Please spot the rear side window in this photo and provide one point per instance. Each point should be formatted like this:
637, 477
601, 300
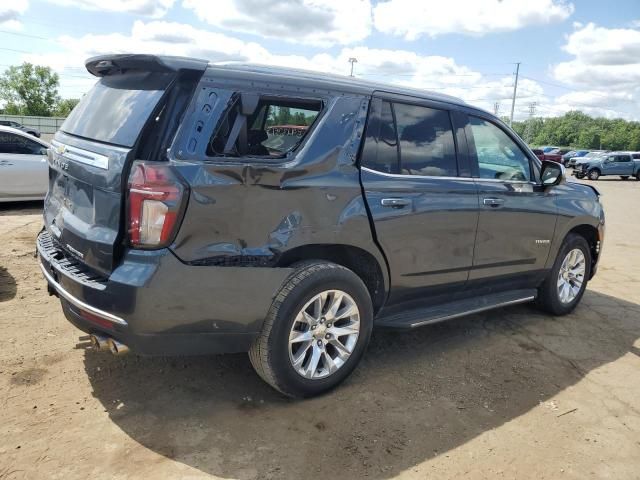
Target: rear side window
276, 127
116, 109
426, 141
17, 144
380, 152
420, 137
499, 157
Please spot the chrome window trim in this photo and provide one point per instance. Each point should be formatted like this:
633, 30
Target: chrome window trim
431, 177
80, 155
436, 177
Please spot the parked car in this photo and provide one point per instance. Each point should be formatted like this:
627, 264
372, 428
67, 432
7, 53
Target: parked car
573, 154
172, 228
554, 155
548, 149
616, 163
538, 153
573, 161
24, 171
18, 126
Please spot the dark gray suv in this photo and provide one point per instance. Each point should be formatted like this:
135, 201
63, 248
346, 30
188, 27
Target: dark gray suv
198, 209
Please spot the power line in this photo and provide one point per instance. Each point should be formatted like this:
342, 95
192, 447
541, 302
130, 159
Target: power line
20, 34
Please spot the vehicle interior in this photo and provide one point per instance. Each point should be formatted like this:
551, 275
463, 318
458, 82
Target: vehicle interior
263, 126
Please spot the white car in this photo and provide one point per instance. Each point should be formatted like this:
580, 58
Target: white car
24, 170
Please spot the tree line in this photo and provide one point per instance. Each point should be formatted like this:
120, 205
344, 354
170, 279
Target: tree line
29, 89
576, 129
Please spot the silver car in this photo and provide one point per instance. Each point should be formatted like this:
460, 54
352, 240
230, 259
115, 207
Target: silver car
23, 166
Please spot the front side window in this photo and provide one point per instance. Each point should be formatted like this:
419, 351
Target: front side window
499, 157
275, 128
17, 144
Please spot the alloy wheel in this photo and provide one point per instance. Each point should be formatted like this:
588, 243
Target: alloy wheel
324, 334
571, 276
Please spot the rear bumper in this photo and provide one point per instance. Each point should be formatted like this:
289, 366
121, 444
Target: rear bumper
157, 305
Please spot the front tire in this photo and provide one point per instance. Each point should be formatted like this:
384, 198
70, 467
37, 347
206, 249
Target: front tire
316, 331
566, 282
594, 174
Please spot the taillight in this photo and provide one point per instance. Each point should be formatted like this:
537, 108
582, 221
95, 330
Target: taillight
156, 199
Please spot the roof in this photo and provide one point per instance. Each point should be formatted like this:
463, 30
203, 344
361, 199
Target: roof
23, 134
109, 64
328, 81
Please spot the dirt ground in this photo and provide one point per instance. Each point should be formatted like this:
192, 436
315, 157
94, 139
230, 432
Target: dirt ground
507, 394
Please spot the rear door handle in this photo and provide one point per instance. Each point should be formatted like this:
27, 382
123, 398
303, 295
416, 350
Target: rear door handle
493, 202
395, 202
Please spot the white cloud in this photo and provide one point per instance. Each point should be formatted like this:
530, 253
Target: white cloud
429, 72
10, 14
314, 22
148, 8
606, 63
415, 18
159, 37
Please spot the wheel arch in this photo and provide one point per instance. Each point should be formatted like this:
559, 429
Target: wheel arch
592, 236
356, 259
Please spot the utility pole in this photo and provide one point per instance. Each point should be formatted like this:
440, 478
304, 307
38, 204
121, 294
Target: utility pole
496, 108
528, 131
515, 88
352, 60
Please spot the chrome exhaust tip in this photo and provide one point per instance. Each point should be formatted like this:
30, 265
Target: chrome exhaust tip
116, 347
99, 343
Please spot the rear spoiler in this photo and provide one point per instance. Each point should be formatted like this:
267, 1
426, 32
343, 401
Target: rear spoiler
104, 65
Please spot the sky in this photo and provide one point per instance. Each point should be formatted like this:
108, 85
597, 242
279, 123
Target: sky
574, 55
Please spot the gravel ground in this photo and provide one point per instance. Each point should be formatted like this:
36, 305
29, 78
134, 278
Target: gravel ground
507, 394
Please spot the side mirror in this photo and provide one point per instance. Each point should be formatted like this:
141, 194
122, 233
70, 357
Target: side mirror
43, 151
552, 173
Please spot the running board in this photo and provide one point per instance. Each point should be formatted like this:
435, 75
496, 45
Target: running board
447, 311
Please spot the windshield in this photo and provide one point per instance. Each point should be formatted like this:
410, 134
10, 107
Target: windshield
117, 107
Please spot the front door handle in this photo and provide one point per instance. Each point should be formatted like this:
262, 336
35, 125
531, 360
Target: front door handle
493, 202
395, 202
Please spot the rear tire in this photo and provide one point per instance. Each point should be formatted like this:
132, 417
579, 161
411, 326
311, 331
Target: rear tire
594, 174
638, 175
284, 360
550, 294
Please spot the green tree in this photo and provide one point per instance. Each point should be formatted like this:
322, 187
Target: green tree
578, 130
64, 106
29, 90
